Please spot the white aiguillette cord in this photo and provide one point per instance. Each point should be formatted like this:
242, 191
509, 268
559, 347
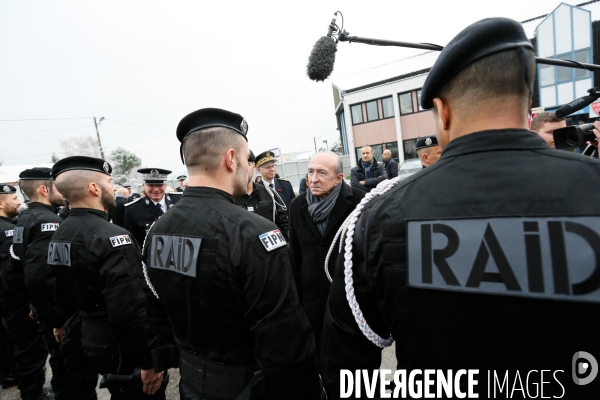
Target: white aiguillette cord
347, 229
272, 192
144, 268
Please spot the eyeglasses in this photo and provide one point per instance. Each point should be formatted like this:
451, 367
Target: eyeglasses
270, 167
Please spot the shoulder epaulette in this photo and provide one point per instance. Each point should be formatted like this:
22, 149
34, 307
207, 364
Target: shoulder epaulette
282, 180
179, 193
133, 201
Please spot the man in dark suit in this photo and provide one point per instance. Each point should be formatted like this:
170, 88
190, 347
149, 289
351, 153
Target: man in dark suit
391, 166
141, 213
117, 214
315, 217
265, 165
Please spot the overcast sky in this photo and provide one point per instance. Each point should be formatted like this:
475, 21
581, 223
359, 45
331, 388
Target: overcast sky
150, 63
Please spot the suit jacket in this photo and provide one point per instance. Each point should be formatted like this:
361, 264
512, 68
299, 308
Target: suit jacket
309, 249
117, 214
141, 213
285, 191
391, 167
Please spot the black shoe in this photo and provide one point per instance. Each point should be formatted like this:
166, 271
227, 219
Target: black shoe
9, 381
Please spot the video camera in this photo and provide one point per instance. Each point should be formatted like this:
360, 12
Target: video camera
576, 135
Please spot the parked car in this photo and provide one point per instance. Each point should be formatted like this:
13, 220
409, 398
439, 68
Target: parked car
410, 167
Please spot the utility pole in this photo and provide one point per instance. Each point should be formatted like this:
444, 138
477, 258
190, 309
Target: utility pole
98, 133
315, 139
326, 145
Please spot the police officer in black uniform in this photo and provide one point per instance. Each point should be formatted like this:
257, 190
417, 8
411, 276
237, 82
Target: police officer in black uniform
428, 149
257, 200
485, 260
281, 188
31, 238
100, 264
223, 276
141, 213
180, 178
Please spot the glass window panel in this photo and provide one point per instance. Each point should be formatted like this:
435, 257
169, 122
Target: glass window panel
565, 93
581, 28
377, 152
548, 96
582, 86
406, 104
357, 117
562, 22
387, 105
564, 73
545, 38
419, 100
372, 111
410, 149
393, 147
547, 75
582, 56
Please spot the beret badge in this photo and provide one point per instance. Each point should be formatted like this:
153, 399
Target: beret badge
6, 189
106, 167
244, 126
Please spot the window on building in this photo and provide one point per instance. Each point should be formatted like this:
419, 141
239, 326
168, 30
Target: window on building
582, 56
393, 147
564, 73
410, 149
406, 104
387, 105
372, 111
547, 75
419, 100
357, 116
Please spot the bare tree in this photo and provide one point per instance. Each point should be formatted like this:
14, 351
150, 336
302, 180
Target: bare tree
336, 147
124, 163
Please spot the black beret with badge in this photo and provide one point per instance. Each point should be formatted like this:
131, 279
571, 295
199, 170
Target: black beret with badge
154, 175
426, 141
479, 40
264, 158
7, 189
37, 173
209, 118
251, 157
77, 163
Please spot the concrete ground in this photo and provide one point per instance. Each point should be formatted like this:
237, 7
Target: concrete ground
388, 362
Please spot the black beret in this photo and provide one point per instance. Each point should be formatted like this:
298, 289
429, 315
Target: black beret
479, 40
81, 163
154, 175
7, 189
209, 118
37, 173
264, 158
251, 157
426, 141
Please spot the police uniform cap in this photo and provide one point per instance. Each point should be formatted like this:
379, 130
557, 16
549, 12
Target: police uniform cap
37, 173
479, 40
426, 141
181, 177
264, 158
209, 118
251, 157
7, 189
154, 175
81, 163
127, 185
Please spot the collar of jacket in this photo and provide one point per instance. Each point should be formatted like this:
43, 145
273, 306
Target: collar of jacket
374, 163
203, 191
83, 211
492, 140
37, 204
6, 219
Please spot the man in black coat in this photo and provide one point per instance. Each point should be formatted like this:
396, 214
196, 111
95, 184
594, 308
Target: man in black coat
281, 188
368, 172
315, 217
117, 214
485, 261
391, 166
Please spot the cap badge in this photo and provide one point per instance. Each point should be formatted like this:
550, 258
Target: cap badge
428, 141
244, 126
154, 174
106, 167
6, 189
268, 154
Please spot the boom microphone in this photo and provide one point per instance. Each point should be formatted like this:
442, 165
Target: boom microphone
322, 56
575, 105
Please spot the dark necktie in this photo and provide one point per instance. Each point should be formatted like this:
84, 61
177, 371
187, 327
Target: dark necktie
160, 210
271, 186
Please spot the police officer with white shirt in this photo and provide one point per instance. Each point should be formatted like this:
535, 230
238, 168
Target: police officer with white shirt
141, 213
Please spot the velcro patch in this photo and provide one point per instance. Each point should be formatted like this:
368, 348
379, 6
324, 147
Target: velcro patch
549, 257
59, 253
9, 232
120, 240
18, 235
272, 240
51, 226
175, 254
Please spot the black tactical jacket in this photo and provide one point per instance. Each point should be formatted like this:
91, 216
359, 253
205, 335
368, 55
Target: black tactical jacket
31, 275
100, 265
10, 301
261, 203
487, 260
223, 276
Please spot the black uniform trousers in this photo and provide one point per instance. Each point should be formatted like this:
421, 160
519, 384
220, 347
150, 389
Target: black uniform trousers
29, 353
7, 345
